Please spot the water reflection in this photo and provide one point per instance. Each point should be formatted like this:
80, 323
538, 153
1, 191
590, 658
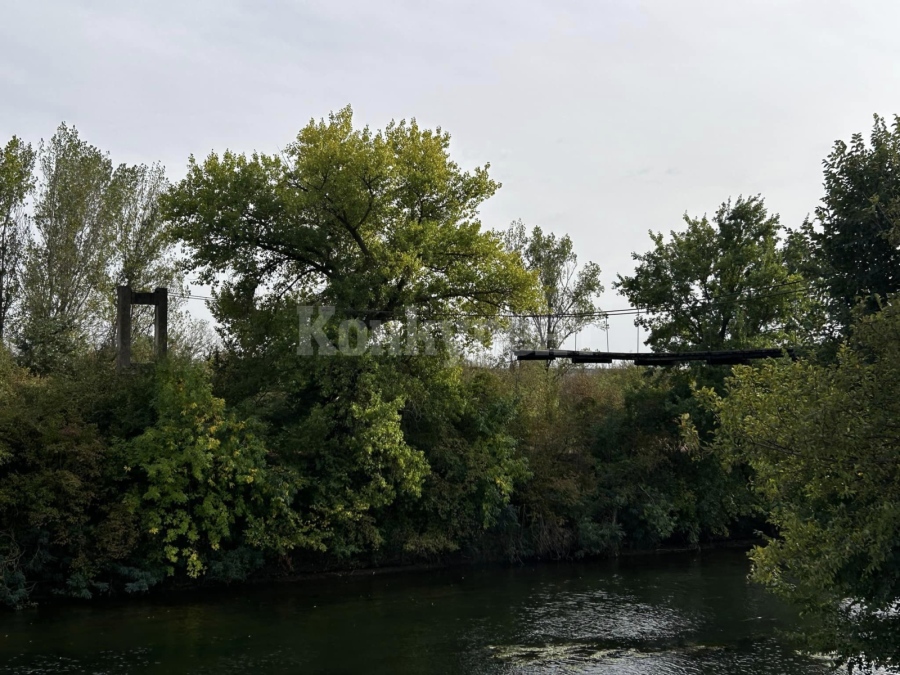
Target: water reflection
683, 614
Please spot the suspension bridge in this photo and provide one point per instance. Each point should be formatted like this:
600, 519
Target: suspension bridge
714, 358
584, 356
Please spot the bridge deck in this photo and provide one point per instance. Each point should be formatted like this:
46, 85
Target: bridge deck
730, 357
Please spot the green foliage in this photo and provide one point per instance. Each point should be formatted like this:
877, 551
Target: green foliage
65, 266
95, 226
567, 293
139, 579
347, 446
263, 460
610, 469
110, 482
855, 243
16, 183
462, 428
52, 497
822, 440
723, 284
651, 483
140, 253
195, 475
369, 221
195, 481
558, 412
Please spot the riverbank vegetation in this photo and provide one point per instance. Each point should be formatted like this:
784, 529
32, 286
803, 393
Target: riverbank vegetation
258, 453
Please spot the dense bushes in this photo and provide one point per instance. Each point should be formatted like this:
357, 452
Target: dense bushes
611, 469
128, 481
116, 482
823, 441
58, 520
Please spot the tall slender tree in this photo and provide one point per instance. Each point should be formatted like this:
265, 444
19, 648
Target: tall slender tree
96, 226
16, 183
568, 292
66, 262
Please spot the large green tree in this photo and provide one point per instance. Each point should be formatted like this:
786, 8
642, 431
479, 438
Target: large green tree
568, 293
823, 442
65, 267
720, 284
16, 183
856, 237
373, 223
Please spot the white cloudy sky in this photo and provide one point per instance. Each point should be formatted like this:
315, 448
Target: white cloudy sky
602, 119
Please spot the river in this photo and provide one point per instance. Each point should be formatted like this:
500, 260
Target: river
677, 613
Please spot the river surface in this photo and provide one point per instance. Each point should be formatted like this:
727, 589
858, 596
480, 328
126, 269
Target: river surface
678, 613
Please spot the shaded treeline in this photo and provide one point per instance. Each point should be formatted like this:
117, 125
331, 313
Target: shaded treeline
258, 455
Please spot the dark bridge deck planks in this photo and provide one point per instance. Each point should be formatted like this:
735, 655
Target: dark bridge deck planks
730, 357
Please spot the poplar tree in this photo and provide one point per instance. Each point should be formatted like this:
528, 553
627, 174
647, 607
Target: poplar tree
65, 267
16, 184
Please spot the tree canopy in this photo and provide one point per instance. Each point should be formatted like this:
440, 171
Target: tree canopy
373, 223
856, 239
260, 457
362, 220
96, 225
722, 284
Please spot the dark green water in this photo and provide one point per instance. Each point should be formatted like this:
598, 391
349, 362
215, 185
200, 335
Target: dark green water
667, 614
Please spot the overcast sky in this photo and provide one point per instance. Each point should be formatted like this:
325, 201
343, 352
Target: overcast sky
601, 119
